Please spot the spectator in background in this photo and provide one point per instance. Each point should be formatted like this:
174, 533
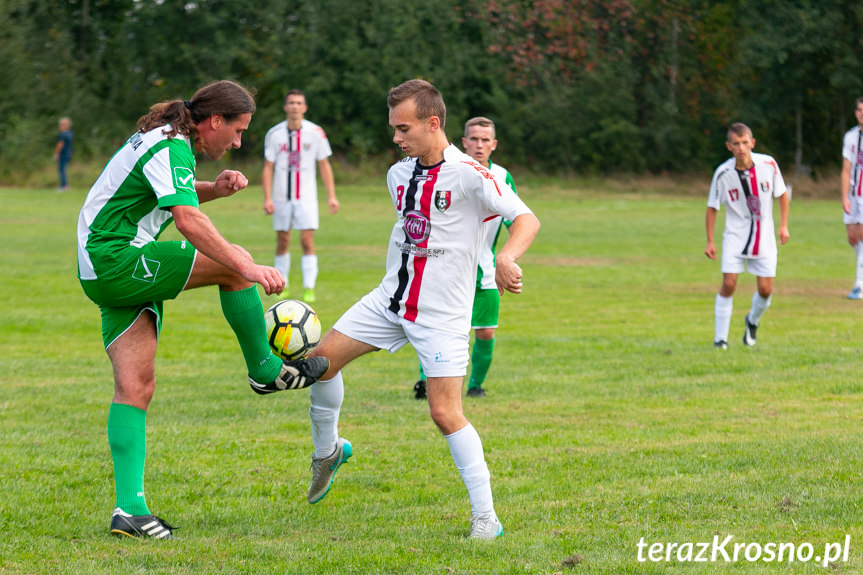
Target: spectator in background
63, 151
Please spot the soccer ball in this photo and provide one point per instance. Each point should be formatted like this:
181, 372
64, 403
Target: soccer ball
293, 329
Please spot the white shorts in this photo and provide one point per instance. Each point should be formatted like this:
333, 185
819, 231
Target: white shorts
763, 267
441, 353
302, 215
856, 215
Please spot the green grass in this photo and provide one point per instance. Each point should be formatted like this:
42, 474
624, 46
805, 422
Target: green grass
610, 417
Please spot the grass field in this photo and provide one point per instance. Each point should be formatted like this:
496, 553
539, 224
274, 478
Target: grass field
610, 417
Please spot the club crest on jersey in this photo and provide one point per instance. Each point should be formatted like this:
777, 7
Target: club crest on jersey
442, 200
765, 187
754, 204
184, 178
417, 227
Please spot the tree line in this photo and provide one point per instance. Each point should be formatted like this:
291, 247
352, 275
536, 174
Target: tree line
584, 86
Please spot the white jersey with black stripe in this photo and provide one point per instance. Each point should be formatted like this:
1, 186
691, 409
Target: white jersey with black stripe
748, 194
295, 155
851, 152
435, 243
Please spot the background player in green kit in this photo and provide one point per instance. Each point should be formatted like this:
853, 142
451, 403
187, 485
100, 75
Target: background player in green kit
149, 182
479, 142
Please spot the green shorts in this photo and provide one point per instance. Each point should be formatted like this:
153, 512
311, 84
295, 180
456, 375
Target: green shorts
486, 305
145, 278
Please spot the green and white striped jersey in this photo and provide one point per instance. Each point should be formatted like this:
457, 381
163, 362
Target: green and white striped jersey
127, 206
490, 232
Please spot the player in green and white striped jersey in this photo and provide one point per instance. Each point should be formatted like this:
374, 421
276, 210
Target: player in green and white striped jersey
479, 142
149, 182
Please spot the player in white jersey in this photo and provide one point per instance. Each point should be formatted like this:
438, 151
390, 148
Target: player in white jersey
441, 198
746, 184
852, 194
479, 142
149, 182
293, 150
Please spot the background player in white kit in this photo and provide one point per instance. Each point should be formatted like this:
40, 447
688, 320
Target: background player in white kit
479, 142
852, 194
746, 184
441, 197
292, 150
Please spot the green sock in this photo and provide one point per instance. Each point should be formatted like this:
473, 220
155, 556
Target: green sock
480, 361
422, 373
245, 315
128, 441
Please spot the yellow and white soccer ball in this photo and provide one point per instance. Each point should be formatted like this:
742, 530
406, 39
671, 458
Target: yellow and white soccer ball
293, 329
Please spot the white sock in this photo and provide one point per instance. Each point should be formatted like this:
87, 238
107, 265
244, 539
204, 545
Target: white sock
326, 402
722, 313
858, 249
759, 306
465, 447
282, 263
310, 271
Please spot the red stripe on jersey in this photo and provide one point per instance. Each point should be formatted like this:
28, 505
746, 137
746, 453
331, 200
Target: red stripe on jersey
414, 292
859, 183
753, 187
419, 263
485, 174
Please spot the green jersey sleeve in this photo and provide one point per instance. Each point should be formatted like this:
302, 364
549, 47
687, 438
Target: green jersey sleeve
511, 183
170, 170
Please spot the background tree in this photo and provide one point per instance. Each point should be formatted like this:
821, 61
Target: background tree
593, 86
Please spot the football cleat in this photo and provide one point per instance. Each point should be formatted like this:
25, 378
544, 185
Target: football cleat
324, 469
475, 392
309, 295
294, 375
856, 293
485, 527
420, 389
140, 525
721, 344
749, 333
